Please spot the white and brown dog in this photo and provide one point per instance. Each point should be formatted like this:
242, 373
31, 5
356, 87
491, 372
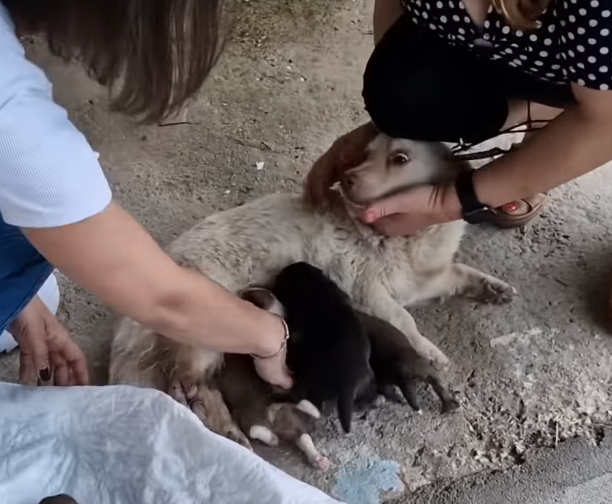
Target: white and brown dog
250, 244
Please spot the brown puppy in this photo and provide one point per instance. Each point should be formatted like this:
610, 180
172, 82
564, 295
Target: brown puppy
395, 362
250, 400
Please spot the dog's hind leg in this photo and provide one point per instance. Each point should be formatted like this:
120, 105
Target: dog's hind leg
463, 280
209, 406
307, 446
449, 403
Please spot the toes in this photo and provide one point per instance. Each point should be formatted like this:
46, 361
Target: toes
497, 293
322, 463
450, 406
238, 437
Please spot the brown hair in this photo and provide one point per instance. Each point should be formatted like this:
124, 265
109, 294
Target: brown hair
522, 14
155, 54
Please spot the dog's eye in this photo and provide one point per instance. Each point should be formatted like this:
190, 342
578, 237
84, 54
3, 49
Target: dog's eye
399, 159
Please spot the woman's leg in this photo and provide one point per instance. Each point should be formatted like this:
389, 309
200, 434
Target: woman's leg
49, 294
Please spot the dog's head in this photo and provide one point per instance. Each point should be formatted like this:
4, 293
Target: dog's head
394, 164
264, 299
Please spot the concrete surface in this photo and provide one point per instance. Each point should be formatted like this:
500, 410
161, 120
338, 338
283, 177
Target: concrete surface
528, 375
577, 472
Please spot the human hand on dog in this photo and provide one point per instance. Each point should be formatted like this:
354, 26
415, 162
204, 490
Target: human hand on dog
272, 366
46, 348
409, 212
346, 152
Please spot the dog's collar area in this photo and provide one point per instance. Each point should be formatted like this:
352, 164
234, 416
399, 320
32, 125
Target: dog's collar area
283, 344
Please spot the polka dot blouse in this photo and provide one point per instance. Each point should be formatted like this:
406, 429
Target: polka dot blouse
572, 42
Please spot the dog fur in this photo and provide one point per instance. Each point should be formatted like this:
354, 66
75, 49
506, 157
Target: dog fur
249, 245
396, 363
328, 351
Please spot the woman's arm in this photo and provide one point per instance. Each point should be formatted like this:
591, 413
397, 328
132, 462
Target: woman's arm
386, 13
112, 256
575, 143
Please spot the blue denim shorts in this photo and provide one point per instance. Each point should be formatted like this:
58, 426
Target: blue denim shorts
23, 270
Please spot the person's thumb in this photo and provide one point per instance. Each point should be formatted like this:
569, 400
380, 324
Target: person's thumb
386, 206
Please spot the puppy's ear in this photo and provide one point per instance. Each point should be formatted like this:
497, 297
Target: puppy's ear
346, 401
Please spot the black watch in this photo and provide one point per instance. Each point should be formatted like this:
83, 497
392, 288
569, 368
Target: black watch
474, 212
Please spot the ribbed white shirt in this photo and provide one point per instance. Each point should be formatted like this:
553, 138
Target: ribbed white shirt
49, 174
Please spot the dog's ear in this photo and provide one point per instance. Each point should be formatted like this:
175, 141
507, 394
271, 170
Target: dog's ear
346, 401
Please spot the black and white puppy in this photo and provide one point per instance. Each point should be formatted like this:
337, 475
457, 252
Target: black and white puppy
252, 404
328, 351
395, 362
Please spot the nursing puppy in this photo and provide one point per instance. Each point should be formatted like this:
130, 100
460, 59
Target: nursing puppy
249, 245
250, 400
395, 362
328, 351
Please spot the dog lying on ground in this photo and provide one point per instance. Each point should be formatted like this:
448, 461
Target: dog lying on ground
328, 351
396, 363
249, 245
251, 403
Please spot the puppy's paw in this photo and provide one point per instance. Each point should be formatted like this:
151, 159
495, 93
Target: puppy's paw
321, 462
450, 406
233, 433
494, 291
264, 435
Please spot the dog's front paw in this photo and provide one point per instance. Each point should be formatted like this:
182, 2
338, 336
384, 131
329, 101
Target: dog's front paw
433, 355
494, 291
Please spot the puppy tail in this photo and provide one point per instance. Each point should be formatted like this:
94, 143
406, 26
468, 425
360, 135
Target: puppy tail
346, 401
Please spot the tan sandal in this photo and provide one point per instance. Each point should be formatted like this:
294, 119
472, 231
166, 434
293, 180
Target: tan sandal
519, 213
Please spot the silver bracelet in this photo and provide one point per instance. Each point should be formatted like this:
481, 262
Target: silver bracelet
283, 344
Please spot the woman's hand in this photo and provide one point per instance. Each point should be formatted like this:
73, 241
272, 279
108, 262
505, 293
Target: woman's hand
346, 152
274, 369
46, 348
409, 212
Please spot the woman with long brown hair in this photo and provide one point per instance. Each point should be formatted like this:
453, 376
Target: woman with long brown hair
56, 208
462, 71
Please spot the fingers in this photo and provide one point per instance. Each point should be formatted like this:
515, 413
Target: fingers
34, 358
27, 371
66, 352
274, 371
385, 207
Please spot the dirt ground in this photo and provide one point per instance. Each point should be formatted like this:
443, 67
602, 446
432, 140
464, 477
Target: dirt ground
530, 374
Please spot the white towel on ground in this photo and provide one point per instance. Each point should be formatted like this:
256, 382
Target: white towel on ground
126, 445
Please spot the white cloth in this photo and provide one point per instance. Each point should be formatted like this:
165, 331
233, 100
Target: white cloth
126, 445
49, 174
50, 295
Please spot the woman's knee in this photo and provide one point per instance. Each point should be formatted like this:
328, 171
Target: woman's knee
417, 87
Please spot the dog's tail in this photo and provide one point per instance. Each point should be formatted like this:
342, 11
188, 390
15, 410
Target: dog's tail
346, 400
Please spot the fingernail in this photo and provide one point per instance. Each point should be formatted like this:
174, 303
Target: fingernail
370, 215
45, 374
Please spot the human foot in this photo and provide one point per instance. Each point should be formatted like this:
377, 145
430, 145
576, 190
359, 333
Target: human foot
519, 213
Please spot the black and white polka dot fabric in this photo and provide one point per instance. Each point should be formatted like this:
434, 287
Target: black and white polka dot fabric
572, 42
